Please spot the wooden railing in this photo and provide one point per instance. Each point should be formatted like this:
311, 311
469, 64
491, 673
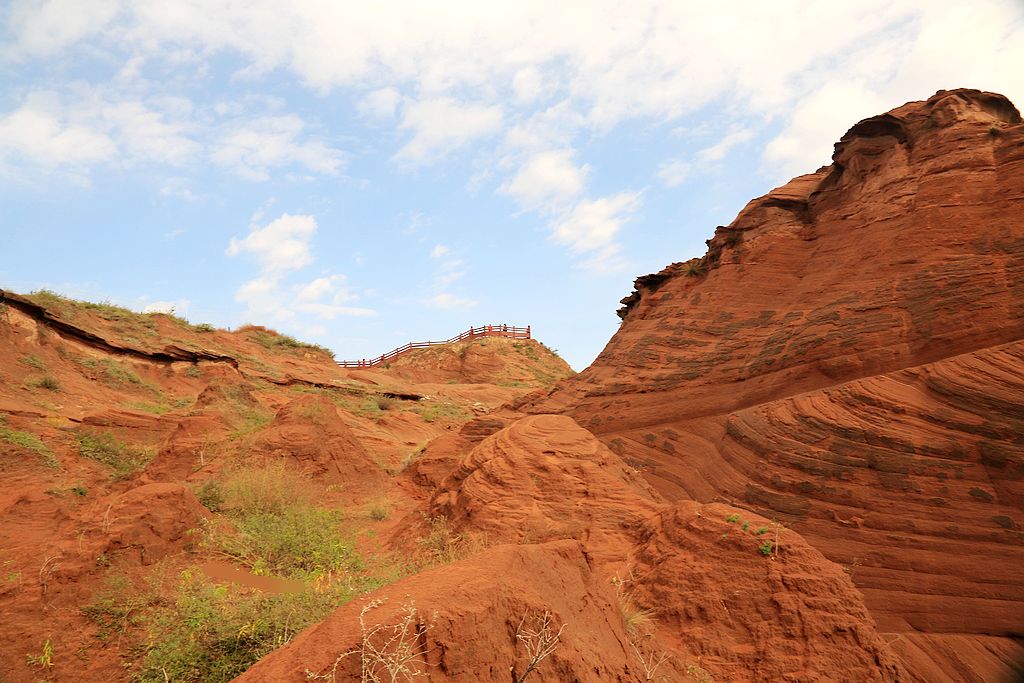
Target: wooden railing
472, 333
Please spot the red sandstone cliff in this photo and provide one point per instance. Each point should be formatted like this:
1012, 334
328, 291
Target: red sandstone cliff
848, 358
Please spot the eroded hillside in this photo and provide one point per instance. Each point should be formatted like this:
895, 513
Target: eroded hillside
799, 459
147, 461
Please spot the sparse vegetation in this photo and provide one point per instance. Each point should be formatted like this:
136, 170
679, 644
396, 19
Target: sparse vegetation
273, 527
120, 457
206, 633
273, 340
154, 408
268, 521
442, 545
112, 373
211, 494
694, 268
380, 511
766, 547
733, 518
43, 660
29, 442
432, 411
33, 361
115, 607
48, 382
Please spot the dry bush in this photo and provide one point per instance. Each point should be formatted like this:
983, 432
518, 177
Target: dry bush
268, 487
539, 638
388, 652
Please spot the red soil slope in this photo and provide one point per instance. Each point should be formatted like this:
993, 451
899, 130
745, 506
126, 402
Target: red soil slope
848, 358
179, 403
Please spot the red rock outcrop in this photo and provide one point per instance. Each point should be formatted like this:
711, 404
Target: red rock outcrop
308, 432
634, 580
849, 358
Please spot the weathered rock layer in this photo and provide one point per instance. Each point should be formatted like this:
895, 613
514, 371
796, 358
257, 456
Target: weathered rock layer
848, 358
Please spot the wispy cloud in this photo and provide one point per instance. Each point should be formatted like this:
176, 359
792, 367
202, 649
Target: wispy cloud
674, 172
592, 224
252, 147
450, 302
442, 125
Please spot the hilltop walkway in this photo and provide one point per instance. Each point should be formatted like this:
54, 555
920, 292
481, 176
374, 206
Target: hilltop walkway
508, 331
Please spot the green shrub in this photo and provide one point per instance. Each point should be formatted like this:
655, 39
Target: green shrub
214, 633
766, 547
114, 608
273, 527
211, 494
301, 541
105, 449
33, 361
48, 382
733, 518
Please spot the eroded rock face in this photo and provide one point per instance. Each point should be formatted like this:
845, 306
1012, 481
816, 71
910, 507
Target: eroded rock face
308, 432
783, 614
848, 358
545, 477
634, 580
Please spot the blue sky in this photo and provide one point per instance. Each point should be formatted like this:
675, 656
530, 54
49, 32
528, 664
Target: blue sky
365, 174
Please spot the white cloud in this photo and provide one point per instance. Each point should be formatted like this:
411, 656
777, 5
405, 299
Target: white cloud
593, 223
548, 179
529, 84
37, 132
44, 28
442, 125
282, 246
251, 148
674, 172
948, 45
381, 103
450, 302
806, 142
439, 251
279, 246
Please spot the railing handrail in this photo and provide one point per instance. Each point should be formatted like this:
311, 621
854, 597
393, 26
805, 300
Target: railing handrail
507, 331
